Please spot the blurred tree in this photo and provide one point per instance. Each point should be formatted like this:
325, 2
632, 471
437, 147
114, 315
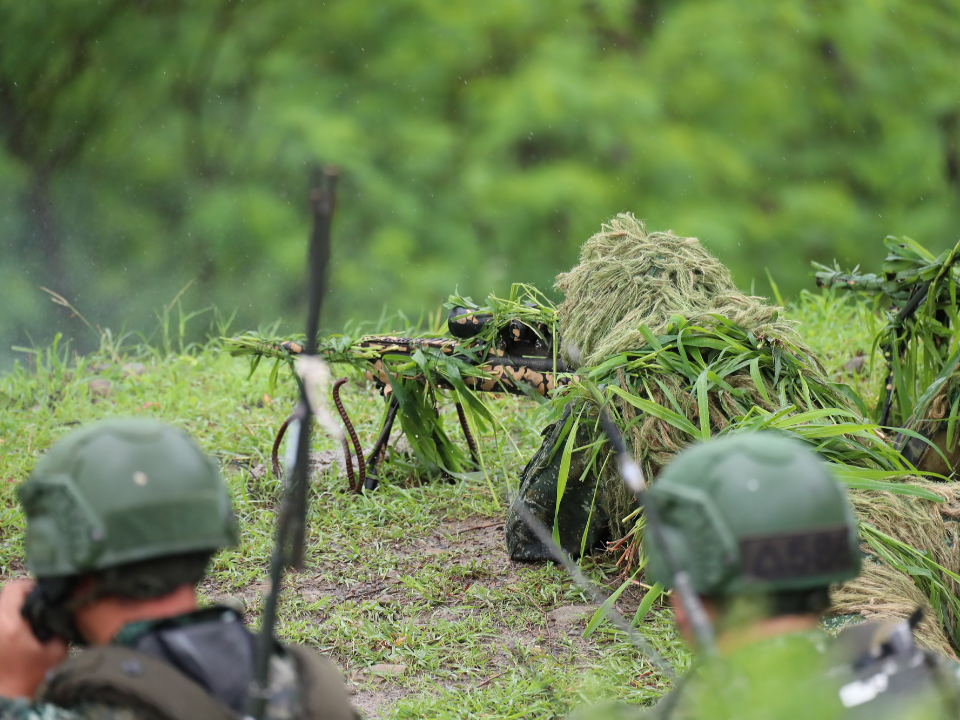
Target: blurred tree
148, 144
55, 91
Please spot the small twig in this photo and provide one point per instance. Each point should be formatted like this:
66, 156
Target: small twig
492, 678
275, 452
364, 593
479, 527
179, 295
60, 300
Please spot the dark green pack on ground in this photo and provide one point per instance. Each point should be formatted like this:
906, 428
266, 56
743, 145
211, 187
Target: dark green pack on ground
583, 524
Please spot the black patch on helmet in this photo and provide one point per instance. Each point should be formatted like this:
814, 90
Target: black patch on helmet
790, 556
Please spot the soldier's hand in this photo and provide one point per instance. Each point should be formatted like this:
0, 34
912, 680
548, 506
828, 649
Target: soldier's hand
24, 660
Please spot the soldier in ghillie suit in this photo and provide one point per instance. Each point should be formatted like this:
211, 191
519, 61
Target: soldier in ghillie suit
762, 530
122, 520
659, 332
630, 288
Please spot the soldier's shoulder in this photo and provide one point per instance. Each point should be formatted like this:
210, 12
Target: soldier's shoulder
314, 680
27, 710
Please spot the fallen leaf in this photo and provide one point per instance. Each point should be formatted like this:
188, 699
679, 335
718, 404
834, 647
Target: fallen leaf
387, 669
100, 387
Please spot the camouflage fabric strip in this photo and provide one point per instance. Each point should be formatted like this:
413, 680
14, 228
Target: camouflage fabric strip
18, 709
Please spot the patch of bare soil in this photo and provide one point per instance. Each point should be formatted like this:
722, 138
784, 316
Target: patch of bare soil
473, 550
462, 543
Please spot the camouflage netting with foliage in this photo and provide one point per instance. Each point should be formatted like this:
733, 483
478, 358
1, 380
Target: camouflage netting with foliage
663, 334
919, 292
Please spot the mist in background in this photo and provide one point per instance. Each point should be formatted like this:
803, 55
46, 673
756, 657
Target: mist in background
150, 144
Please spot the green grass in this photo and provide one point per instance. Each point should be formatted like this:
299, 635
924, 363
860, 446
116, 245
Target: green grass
837, 327
402, 576
392, 578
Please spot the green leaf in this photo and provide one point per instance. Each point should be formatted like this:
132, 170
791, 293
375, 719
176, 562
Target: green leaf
703, 405
776, 290
809, 416
274, 372
653, 594
891, 487
564, 474
254, 364
816, 432
658, 411
601, 612
758, 379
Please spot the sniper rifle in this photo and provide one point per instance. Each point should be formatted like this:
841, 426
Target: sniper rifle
521, 360
920, 285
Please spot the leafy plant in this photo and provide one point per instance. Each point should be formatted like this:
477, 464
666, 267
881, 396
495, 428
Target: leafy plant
920, 292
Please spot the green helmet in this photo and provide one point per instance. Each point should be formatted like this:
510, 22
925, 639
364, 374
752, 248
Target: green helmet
119, 492
752, 513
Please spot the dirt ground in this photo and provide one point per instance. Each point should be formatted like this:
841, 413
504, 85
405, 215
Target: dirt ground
458, 543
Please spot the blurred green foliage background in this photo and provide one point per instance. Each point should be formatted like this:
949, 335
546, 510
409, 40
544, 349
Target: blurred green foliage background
145, 144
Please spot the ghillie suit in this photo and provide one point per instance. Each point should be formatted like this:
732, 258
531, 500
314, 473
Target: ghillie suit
934, 419
661, 333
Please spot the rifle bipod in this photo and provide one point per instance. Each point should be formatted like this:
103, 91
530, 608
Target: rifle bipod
368, 470
355, 483
275, 454
378, 451
379, 447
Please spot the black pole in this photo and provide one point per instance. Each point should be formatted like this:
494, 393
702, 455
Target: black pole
291, 525
633, 477
322, 205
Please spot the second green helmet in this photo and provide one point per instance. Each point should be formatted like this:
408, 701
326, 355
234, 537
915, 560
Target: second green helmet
122, 491
753, 512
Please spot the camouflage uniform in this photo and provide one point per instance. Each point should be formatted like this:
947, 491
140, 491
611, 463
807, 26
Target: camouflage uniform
783, 677
284, 691
795, 676
580, 520
136, 507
